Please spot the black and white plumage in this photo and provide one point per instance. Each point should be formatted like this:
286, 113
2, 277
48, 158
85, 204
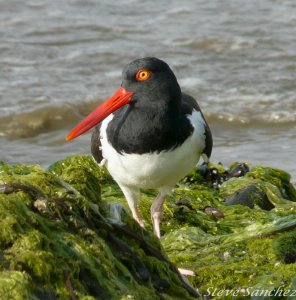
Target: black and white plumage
150, 134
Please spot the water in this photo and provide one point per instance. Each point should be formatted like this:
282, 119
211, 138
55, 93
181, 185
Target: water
59, 59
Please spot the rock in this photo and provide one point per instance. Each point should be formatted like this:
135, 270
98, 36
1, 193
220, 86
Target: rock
57, 243
67, 233
250, 196
184, 202
198, 241
213, 211
284, 247
238, 170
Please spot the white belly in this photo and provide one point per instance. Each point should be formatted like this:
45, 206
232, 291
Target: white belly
155, 170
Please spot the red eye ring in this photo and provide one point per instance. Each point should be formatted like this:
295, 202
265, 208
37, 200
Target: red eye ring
143, 75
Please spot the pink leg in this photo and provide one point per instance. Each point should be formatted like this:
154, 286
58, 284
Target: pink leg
156, 213
156, 216
132, 196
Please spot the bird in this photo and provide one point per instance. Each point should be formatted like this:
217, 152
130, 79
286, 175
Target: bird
148, 134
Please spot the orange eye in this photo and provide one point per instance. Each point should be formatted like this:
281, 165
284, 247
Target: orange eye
143, 75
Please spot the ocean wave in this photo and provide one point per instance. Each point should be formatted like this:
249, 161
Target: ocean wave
263, 119
45, 119
52, 118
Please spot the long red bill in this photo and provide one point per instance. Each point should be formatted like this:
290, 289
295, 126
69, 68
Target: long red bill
118, 99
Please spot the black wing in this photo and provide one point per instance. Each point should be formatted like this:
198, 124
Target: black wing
96, 144
188, 104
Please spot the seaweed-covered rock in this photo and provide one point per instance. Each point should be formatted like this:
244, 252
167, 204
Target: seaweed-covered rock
284, 246
250, 196
67, 233
238, 251
57, 243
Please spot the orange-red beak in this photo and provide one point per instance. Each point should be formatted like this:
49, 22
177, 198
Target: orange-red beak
118, 99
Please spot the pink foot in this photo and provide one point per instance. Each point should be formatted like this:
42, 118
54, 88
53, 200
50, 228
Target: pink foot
186, 272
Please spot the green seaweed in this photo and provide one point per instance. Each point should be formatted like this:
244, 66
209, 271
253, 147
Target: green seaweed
237, 251
284, 247
60, 237
56, 240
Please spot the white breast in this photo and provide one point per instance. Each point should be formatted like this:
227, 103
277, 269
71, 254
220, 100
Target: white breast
155, 170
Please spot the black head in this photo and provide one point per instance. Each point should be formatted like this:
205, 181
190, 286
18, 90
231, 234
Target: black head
148, 83
151, 80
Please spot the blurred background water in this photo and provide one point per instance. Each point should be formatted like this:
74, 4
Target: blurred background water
59, 59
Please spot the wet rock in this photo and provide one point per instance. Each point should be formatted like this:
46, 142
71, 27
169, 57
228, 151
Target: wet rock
213, 211
56, 234
184, 202
69, 230
250, 196
199, 242
284, 246
239, 170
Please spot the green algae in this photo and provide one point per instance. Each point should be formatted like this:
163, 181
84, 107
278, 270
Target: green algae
56, 241
285, 247
61, 240
242, 249
15, 285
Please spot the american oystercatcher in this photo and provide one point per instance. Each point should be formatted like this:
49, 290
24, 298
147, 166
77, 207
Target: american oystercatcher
149, 134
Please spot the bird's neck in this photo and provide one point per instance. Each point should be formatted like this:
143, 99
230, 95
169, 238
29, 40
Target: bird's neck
140, 129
